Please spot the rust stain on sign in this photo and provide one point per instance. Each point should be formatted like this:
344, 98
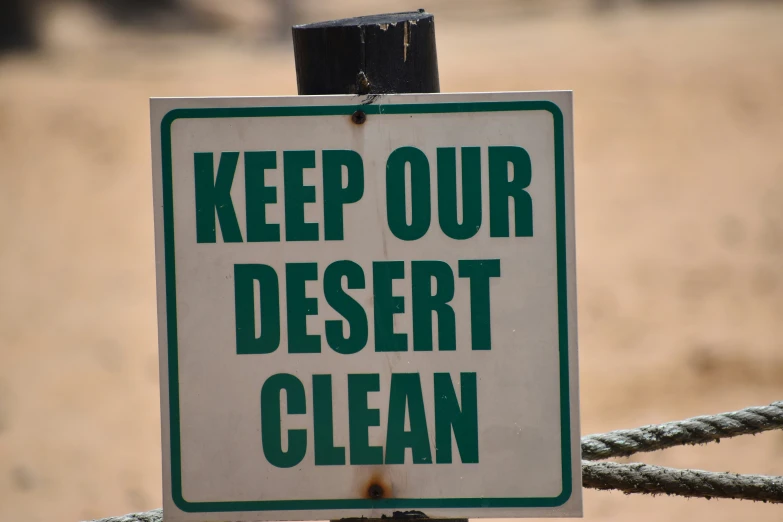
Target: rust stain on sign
375, 487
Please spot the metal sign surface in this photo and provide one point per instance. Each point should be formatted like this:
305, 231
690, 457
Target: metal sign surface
367, 312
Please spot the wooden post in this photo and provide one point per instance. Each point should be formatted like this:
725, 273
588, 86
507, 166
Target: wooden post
378, 54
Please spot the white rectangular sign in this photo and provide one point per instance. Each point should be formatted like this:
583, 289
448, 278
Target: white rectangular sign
367, 305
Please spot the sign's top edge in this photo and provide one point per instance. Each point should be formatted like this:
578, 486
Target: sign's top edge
362, 97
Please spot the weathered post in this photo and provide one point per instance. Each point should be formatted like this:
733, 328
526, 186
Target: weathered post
378, 54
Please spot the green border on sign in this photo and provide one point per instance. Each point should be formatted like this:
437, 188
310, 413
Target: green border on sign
171, 308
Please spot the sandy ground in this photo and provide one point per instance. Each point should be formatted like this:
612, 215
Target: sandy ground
679, 176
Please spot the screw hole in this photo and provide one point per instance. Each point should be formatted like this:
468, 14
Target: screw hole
375, 491
358, 117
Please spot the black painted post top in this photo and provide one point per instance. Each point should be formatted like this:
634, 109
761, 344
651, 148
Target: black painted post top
378, 54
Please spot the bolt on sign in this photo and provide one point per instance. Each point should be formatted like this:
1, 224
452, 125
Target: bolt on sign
367, 305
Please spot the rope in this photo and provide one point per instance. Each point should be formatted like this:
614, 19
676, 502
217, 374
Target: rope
656, 480
156, 515
644, 478
698, 430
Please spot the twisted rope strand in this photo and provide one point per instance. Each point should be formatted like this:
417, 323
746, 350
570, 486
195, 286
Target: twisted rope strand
697, 430
656, 480
156, 515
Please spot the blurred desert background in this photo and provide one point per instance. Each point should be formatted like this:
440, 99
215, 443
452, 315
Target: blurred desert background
679, 213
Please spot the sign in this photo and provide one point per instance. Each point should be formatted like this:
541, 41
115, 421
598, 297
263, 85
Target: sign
367, 305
